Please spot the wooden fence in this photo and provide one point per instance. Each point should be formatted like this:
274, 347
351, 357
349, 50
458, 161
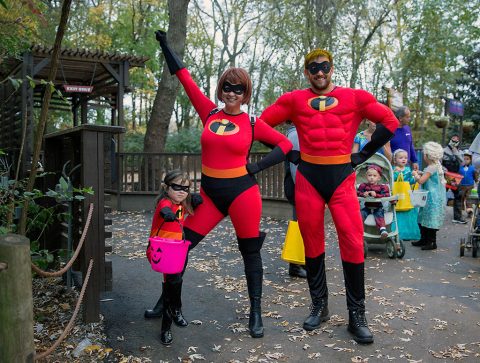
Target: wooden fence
142, 173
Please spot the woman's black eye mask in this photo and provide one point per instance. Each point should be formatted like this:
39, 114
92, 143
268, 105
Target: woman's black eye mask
238, 89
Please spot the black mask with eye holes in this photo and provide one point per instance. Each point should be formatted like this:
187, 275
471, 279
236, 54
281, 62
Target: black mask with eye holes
238, 89
315, 67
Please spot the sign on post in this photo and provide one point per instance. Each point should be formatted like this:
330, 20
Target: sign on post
454, 107
77, 88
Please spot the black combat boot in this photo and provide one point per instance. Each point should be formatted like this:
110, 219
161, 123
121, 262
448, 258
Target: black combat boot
157, 310
317, 283
355, 291
250, 249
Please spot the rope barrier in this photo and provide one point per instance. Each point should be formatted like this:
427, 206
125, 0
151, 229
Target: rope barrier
72, 319
75, 255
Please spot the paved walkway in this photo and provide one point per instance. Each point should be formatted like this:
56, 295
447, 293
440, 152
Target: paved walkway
422, 308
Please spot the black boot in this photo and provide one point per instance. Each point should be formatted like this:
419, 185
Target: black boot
166, 337
423, 239
157, 310
358, 326
174, 283
297, 270
431, 239
355, 292
317, 283
250, 249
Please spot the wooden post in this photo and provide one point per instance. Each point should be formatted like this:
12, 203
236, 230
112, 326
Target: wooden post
16, 305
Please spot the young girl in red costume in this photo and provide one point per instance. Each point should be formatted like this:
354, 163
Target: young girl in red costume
228, 186
173, 203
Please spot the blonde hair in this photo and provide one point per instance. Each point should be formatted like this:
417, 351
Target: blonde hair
434, 152
396, 153
314, 54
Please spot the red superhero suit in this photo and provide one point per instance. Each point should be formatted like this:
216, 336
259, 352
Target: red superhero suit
228, 186
326, 127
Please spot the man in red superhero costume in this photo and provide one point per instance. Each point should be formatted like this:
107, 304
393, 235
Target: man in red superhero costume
327, 118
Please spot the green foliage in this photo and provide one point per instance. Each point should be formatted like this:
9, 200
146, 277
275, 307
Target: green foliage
133, 141
184, 141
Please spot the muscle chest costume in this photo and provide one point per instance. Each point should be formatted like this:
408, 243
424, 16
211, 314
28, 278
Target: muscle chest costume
326, 127
226, 186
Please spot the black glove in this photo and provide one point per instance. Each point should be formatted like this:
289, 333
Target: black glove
380, 137
272, 158
293, 156
174, 63
167, 214
196, 200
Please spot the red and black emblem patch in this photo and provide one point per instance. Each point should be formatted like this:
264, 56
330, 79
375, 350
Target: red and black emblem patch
323, 103
223, 127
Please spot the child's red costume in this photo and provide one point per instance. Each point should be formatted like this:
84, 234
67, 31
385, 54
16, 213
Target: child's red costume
165, 229
326, 127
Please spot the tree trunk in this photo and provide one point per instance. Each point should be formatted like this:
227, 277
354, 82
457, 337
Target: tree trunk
45, 105
157, 127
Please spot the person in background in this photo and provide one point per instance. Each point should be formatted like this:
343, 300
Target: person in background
408, 229
403, 136
470, 177
289, 188
374, 189
452, 159
173, 204
432, 215
363, 137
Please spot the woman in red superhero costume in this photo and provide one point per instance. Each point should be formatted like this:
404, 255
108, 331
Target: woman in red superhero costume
327, 118
228, 186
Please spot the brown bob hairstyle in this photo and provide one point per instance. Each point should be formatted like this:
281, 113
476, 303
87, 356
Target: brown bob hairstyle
236, 76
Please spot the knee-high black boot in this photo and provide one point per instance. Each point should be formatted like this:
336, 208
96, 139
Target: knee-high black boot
250, 250
166, 337
157, 310
174, 286
423, 239
355, 291
317, 284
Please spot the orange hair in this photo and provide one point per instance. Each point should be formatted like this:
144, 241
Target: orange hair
314, 54
236, 76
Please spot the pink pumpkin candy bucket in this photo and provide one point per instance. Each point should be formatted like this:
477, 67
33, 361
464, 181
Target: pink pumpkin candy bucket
167, 255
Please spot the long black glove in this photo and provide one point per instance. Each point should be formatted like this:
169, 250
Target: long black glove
293, 157
167, 214
174, 63
196, 200
272, 158
380, 137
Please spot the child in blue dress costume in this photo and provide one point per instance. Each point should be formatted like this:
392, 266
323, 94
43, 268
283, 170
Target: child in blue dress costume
432, 215
408, 228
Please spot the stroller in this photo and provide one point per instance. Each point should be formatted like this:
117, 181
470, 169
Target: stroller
394, 245
473, 237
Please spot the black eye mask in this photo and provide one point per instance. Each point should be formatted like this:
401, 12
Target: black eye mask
315, 67
238, 89
178, 187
